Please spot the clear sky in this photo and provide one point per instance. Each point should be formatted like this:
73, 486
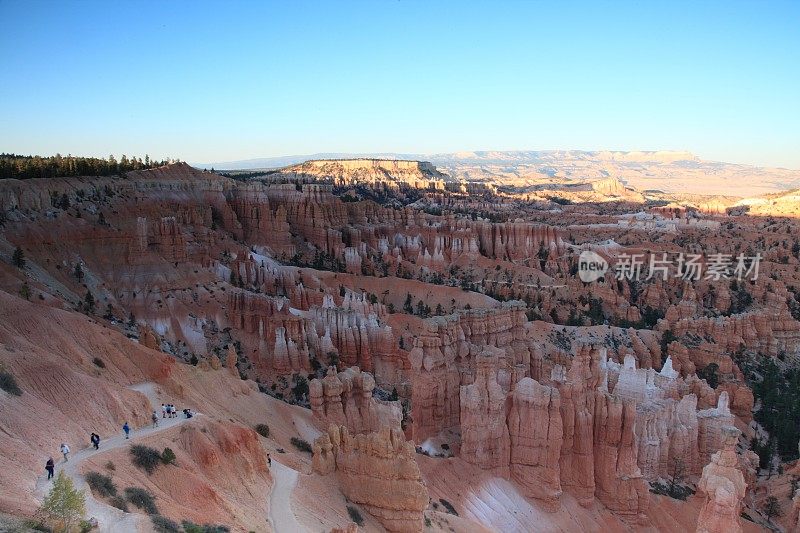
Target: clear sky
209, 82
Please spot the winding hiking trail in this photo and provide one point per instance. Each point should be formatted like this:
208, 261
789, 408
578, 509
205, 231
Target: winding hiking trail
281, 516
110, 518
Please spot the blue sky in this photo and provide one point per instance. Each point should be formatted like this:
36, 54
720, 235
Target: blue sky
212, 82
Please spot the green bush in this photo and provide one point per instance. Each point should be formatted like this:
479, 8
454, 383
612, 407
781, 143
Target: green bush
191, 527
145, 457
448, 506
101, 484
164, 525
168, 456
263, 430
9, 384
355, 515
119, 502
141, 499
301, 445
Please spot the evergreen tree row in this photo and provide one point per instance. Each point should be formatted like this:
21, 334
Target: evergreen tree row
25, 166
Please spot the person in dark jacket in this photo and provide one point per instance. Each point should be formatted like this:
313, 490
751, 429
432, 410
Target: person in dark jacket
50, 466
95, 438
127, 429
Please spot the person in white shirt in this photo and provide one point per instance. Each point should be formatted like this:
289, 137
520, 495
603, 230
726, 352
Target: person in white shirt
65, 451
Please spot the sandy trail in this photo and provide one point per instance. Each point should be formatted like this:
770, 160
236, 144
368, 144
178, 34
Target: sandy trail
110, 518
282, 517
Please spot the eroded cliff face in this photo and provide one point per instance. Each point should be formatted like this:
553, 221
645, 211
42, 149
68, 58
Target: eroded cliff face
378, 472
417, 174
345, 399
536, 434
723, 488
485, 439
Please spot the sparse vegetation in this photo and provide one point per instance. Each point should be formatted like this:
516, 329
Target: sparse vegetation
119, 502
18, 258
448, 506
771, 508
98, 362
145, 457
263, 430
191, 527
355, 515
301, 445
101, 484
141, 499
89, 302
710, 374
163, 524
168, 456
9, 383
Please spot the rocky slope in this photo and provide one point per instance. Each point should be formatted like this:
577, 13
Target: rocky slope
417, 344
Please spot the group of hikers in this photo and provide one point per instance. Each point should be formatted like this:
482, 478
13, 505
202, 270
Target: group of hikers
167, 411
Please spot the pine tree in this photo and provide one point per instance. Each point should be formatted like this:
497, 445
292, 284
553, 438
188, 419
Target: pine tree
89, 301
18, 258
772, 508
407, 307
63, 506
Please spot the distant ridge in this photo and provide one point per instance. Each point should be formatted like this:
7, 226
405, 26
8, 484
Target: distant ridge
484, 156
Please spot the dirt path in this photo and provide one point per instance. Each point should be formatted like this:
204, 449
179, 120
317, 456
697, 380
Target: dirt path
109, 518
281, 516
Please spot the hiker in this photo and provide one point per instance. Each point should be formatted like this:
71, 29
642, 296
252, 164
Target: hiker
155, 419
65, 451
269, 461
188, 413
50, 466
172, 412
163, 410
127, 429
95, 438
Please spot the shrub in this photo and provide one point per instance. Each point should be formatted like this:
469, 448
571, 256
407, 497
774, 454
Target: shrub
355, 515
101, 484
119, 502
191, 527
9, 383
168, 456
38, 526
141, 499
98, 362
110, 466
145, 457
263, 430
448, 506
85, 526
301, 445
162, 524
